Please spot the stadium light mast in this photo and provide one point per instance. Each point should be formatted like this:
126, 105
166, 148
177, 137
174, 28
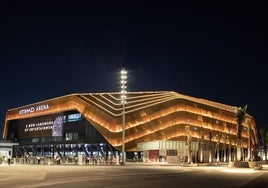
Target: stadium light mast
123, 81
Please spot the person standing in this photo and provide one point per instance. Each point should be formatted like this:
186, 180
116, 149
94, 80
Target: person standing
38, 160
8, 160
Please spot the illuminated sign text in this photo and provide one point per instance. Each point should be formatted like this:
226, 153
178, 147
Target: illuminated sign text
34, 109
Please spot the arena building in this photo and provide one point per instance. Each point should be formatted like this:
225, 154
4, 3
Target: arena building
160, 126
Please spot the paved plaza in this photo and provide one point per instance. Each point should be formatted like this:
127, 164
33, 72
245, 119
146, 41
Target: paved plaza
129, 176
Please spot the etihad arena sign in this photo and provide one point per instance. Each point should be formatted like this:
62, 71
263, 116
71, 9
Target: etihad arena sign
34, 109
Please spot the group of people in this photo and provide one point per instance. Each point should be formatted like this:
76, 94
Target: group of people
99, 160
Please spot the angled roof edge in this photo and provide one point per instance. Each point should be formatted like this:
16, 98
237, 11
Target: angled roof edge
187, 97
75, 94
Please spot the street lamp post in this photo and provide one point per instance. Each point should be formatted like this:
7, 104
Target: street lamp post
123, 81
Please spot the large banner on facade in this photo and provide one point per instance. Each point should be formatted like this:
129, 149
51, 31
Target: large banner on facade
44, 126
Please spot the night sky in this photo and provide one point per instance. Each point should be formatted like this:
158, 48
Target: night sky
216, 52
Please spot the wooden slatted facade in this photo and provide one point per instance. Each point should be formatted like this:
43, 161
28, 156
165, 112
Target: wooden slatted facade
150, 116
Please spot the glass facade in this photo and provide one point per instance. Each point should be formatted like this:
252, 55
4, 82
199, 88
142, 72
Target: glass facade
64, 134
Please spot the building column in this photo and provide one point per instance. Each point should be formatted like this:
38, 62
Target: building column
224, 149
202, 146
218, 147
229, 152
189, 142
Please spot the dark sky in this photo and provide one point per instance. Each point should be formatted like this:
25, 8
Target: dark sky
212, 51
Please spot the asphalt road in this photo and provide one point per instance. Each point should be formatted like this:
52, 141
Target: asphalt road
129, 176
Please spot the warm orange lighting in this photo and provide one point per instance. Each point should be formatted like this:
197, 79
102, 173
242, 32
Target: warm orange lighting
147, 114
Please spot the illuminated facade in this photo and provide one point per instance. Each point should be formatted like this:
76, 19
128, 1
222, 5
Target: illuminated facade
162, 125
